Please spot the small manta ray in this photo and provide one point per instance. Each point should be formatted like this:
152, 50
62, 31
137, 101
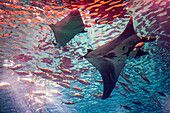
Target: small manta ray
68, 27
109, 59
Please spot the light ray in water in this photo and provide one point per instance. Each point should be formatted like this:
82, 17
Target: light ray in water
25, 96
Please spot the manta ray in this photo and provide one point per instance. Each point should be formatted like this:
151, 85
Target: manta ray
68, 27
110, 58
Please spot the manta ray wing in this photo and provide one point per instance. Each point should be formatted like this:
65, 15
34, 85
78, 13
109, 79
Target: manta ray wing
68, 27
106, 68
109, 59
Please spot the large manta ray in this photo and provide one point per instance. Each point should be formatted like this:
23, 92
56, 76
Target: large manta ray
109, 59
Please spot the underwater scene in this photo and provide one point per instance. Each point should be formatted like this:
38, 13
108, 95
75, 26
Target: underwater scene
84, 56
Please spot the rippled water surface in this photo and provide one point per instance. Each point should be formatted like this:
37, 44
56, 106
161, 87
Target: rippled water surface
27, 40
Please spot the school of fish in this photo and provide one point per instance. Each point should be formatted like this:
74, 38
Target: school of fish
43, 74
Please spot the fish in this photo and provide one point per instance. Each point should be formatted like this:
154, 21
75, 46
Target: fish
154, 98
40, 93
69, 77
145, 90
68, 102
16, 66
45, 69
126, 107
161, 93
4, 84
100, 81
26, 80
109, 59
144, 78
53, 92
77, 89
122, 94
97, 96
39, 73
66, 71
23, 72
64, 85
107, 10
57, 76
122, 83
39, 101
68, 27
131, 90
67, 82
57, 80
126, 89
126, 78
47, 77
76, 95
137, 102
116, 86
41, 109
83, 82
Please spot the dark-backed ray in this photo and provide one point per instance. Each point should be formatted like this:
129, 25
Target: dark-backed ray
109, 59
68, 27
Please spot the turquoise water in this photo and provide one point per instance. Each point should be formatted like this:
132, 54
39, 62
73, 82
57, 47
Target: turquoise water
30, 44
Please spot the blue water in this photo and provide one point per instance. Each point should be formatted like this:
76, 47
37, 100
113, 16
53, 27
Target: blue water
30, 44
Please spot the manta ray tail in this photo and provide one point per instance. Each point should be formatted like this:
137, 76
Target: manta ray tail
68, 27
